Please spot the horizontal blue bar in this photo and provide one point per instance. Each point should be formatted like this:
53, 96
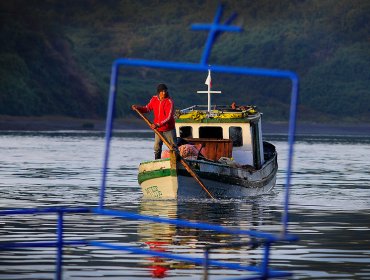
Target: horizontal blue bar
203, 67
44, 210
184, 223
129, 215
37, 244
200, 261
256, 277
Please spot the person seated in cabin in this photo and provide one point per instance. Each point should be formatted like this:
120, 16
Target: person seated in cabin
186, 151
164, 122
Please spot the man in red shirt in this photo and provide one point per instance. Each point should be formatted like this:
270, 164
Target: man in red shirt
164, 121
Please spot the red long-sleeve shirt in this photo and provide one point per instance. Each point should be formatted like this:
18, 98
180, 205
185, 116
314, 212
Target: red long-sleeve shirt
163, 112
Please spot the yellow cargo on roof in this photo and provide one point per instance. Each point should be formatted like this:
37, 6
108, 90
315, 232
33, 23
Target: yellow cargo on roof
198, 115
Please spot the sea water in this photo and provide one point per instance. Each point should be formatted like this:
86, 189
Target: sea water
329, 210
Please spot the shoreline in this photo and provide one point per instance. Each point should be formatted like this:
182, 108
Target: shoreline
55, 123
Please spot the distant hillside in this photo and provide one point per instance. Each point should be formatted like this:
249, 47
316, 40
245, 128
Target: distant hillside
56, 56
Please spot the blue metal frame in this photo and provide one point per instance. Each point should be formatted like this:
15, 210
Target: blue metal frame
263, 272
203, 68
265, 238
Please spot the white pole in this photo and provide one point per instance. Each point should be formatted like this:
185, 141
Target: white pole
209, 82
209, 98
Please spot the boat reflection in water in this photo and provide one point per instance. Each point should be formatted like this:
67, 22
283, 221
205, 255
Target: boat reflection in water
158, 236
185, 241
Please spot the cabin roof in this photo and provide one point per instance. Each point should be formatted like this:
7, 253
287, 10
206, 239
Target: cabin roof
218, 114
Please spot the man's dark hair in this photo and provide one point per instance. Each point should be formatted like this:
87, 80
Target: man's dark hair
161, 87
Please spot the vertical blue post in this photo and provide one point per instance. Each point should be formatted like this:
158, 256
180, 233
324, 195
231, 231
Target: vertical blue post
214, 30
291, 138
211, 36
265, 262
59, 257
206, 264
108, 131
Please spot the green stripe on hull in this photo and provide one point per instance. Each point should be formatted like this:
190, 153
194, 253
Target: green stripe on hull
142, 177
156, 160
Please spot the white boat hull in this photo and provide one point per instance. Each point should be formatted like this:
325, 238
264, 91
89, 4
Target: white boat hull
168, 179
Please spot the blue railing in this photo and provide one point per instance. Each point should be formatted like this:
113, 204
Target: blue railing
266, 239
261, 238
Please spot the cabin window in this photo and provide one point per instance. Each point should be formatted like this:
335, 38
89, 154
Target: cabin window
186, 132
236, 136
210, 132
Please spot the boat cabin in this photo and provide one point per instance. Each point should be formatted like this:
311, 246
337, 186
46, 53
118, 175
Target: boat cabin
223, 132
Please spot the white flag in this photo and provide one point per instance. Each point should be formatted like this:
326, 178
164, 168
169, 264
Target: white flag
208, 81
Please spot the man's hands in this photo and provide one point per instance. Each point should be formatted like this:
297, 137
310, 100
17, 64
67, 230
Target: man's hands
154, 126
137, 107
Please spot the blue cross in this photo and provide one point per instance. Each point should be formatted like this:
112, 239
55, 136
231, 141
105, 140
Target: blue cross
214, 31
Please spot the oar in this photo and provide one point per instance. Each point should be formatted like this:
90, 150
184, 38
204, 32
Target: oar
183, 162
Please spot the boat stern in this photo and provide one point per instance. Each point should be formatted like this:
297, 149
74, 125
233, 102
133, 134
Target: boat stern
158, 179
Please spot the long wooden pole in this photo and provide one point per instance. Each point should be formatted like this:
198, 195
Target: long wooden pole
183, 162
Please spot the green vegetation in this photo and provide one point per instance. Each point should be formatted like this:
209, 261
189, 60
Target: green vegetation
56, 56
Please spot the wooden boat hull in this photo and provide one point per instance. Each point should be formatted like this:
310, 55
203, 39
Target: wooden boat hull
168, 179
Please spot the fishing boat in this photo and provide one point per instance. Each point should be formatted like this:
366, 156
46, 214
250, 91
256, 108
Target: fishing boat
220, 154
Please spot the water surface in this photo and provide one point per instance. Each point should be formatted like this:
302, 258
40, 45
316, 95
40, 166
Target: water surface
330, 209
